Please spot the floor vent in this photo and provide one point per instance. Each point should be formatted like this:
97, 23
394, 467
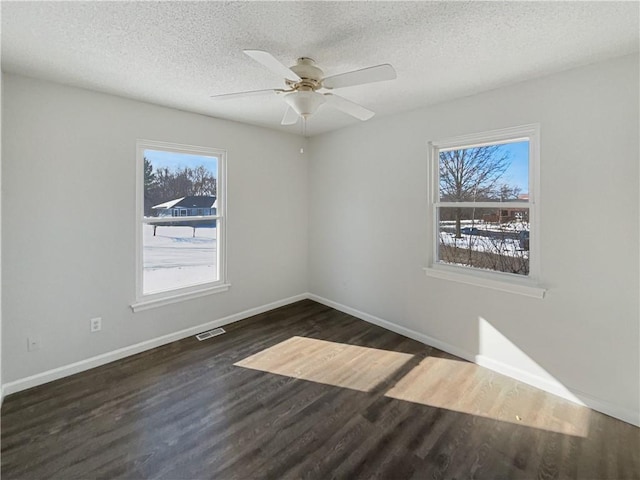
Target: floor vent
211, 333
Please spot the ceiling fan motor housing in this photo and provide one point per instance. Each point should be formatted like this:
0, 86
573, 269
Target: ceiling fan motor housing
306, 69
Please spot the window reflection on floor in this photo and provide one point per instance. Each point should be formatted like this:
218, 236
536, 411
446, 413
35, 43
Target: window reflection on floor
446, 383
467, 388
331, 363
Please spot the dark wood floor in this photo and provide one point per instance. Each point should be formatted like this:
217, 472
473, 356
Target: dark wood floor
305, 391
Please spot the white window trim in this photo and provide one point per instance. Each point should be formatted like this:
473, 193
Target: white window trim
145, 302
529, 285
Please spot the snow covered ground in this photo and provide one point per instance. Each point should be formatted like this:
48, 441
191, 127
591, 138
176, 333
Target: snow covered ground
511, 227
175, 259
479, 243
501, 239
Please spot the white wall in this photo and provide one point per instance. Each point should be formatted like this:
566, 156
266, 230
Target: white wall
68, 219
1, 388
369, 238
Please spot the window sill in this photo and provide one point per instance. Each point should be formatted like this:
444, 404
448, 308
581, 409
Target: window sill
528, 289
170, 298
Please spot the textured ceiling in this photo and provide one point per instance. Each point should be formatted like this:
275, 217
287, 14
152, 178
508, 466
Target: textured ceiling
179, 53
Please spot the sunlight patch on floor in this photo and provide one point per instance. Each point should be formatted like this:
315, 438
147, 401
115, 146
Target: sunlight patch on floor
330, 363
470, 389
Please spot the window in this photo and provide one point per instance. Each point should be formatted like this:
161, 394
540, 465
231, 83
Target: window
483, 209
180, 227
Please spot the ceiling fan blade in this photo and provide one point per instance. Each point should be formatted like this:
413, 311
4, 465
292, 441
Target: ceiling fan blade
228, 96
290, 117
359, 77
349, 107
272, 63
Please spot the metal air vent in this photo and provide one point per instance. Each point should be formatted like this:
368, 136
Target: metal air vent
210, 333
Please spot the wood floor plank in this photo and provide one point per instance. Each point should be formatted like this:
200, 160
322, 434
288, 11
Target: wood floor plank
305, 391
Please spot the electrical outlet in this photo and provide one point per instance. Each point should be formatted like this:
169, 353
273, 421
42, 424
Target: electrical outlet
33, 343
96, 324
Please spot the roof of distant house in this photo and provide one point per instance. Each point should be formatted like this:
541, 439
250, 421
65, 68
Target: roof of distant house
192, 201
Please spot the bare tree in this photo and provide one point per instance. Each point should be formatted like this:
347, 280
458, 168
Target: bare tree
508, 192
497, 252
471, 174
164, 184
203, 182
505, 257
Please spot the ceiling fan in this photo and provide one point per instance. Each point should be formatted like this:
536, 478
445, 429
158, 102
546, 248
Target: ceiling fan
304, 79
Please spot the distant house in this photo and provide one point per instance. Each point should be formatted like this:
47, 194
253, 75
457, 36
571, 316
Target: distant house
506, 215
511, 214
190, 206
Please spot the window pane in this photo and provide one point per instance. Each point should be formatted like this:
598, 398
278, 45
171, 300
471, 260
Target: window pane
491, 173
485, 238
178, 253
179, 184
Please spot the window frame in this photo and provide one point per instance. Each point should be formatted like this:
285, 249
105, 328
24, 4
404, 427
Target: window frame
510, 282
158, 299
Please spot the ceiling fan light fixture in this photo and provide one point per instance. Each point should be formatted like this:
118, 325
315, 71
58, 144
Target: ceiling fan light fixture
304, 103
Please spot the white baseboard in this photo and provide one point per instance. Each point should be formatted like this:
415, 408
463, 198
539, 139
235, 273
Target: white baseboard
554, 387
407, 332
557, 388
81, 366
546, 384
